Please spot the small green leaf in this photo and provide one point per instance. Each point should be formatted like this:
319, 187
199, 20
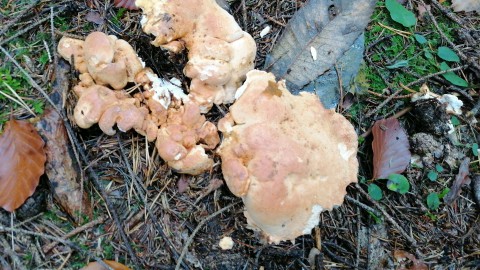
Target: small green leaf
375, 192
398, 183
432, 175
475, 149
439, 168
452, 77
448, 54
420, 39
443, 193
433, 201
455, 121
428, 54
398, 64
400, 14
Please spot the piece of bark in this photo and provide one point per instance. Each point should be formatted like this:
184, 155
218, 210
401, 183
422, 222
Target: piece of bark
61, 167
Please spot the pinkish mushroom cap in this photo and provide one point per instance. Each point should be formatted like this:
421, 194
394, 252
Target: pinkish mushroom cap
286, 156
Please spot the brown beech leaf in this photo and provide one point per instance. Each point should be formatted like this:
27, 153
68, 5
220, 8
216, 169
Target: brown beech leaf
97, 266
407, 261
460, 180
22, 160
390, 145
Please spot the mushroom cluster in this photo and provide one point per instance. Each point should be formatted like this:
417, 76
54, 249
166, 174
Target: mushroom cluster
286, 156
219, 52
160, 112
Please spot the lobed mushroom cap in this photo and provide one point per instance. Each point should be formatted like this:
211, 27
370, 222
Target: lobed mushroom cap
219, 52
287, 157
182, 140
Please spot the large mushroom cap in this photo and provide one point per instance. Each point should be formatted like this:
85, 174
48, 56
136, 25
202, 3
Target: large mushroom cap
287, 157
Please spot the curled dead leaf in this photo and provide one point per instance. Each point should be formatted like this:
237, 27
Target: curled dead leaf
97, 266
22, 160
390, 145
461, 179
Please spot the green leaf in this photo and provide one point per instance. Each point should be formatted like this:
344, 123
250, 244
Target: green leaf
455, 121
398, 183
432, 175
420, 39
428, 54
452, 77
433, 201
439, 168
375, 192
398, 64
447, 54
400, 14
475, 149
443, 193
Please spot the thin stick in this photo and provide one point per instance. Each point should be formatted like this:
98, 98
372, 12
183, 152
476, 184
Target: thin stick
362, 205
75, 231
199, 226
372, 112
23, 31
422, 79
412, 241
448, 13
454, 47
20, 15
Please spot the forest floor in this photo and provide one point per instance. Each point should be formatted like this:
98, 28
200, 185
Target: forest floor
192, 214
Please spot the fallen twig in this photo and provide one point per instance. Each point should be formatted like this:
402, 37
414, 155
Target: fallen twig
75, 231
412, 241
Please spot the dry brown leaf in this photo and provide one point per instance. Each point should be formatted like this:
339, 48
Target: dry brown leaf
460, 180
22, 160
466, 5
407, 261
97, 266
390, 145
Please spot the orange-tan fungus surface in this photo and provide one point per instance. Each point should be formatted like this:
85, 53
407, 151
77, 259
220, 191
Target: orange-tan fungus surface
108, 60
286, 156
219, 52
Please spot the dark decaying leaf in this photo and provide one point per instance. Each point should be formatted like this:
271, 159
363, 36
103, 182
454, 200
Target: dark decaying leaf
22, 162
61, 169
390, 145
460, 180
408, 261
323, 30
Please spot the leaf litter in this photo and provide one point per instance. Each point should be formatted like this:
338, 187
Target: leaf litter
391, 154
